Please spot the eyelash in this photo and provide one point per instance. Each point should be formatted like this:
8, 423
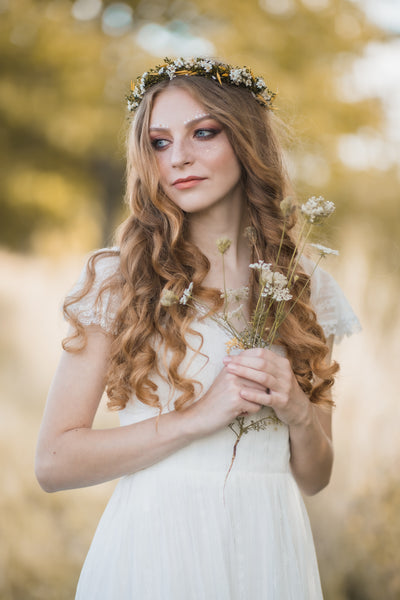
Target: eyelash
213, 132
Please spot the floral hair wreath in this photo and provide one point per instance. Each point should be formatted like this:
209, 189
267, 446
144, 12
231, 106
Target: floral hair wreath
219, 72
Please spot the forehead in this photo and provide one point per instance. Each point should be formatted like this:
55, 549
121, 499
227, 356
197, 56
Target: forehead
175, 104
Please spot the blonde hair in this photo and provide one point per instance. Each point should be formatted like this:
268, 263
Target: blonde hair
157, 254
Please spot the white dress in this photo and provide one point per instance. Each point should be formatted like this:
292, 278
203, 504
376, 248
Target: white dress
169, 532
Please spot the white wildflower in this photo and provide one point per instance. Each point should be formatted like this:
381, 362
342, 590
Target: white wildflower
179, 62
260, 83
317, 209
324, 251
266, 274
235, 313
276, 293
236, 295
274, 284
168, 298
187, 294
260, 265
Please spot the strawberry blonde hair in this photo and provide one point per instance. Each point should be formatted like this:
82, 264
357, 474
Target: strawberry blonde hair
156, 254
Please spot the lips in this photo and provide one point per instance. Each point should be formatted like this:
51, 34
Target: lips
187, 182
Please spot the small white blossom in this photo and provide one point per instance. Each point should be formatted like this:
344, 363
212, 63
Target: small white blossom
207, 65
168, 298
187, 294
266, 275
236, 295
235, 75
260, 83
171, 71
260, 265
235, 313
324, 251
317, 209
276, 293
179, 62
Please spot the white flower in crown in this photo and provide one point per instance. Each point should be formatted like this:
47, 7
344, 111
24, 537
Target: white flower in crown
207, 65
235, 75
171, 71
204, 67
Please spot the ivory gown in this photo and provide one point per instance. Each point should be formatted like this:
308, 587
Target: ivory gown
168, 533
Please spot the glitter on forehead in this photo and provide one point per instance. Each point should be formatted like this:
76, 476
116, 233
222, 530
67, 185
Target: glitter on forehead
196, 118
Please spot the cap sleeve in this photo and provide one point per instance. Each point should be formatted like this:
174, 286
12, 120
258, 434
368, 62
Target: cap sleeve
333, 310
96, 307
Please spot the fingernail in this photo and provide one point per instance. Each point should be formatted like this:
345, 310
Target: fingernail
227, 359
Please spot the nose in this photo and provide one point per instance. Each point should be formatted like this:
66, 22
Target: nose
181, 154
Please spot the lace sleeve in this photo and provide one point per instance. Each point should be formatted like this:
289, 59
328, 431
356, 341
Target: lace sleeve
96, 307
334, 313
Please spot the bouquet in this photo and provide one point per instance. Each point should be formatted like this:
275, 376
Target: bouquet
274, 291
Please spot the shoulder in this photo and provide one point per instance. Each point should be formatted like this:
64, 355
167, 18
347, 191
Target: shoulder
333, 310
95, 297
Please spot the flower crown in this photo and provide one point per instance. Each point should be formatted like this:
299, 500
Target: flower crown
204, 67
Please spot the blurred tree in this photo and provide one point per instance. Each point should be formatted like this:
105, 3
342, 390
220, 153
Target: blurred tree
64, 71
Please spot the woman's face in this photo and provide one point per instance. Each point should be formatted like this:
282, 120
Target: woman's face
197, 165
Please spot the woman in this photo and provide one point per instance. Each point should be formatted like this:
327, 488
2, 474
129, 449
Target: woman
203, 164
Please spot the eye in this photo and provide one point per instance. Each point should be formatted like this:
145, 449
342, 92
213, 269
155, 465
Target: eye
159, 143
206, 133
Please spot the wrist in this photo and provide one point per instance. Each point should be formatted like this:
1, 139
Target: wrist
189, 423
306, 415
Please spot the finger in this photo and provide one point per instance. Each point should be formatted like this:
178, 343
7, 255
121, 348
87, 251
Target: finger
257, 396
261, 377
250, 407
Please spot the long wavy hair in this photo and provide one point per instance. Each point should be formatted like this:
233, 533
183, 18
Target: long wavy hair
156, 254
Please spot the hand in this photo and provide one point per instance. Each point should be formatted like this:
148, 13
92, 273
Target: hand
223, 402
279, 387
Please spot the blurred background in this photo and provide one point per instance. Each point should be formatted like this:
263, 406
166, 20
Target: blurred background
65, 69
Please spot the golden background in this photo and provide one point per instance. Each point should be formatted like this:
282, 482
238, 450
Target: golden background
65, 68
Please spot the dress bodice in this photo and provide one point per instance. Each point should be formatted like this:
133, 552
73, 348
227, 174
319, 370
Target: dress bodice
266, 450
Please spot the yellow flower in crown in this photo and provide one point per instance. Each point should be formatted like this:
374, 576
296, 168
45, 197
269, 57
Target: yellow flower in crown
204, 67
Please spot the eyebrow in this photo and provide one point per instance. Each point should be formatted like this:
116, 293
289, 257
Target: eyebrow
187, 123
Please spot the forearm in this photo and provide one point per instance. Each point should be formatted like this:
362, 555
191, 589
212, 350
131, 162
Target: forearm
311, 453
82, 456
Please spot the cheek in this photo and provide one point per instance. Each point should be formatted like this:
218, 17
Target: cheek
162, 167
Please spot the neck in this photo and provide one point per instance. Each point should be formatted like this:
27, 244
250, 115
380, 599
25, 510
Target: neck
226, 219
